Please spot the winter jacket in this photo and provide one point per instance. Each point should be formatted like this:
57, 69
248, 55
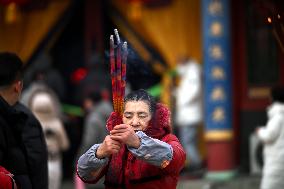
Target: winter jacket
36, 149
43, 106
273, 137
22, 148
189, 95
124, 170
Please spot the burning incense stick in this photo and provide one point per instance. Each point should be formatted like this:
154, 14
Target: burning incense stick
123, 72
113, 73
118, 58
118, 71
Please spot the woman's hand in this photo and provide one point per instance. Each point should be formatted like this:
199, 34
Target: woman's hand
125, 134
108, 147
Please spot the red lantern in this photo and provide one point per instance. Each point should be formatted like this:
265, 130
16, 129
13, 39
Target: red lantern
78, 75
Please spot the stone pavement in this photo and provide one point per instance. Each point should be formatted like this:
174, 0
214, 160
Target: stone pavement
239, 182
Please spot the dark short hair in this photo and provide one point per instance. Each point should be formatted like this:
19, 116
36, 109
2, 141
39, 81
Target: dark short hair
277, 94
142, 95
95, 96
11, 68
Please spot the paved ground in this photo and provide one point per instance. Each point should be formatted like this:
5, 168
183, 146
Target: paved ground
239, 182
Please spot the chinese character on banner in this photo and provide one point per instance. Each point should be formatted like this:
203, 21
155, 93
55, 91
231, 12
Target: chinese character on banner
218, 114
218, 94
217, 73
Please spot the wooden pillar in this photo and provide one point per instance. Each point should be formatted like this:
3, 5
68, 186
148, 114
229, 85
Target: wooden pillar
218, 87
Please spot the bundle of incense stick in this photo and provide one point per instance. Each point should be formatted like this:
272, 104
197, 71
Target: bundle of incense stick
118, 58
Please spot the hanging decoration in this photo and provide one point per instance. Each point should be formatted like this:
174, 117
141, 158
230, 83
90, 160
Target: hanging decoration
12, 9
272, 14
17, 2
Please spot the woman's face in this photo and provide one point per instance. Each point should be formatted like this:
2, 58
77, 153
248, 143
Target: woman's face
137, 114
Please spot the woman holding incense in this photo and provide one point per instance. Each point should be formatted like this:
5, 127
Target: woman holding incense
139, 152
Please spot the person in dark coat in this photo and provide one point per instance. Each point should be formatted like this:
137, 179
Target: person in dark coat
140, 151
22, 147
35, 147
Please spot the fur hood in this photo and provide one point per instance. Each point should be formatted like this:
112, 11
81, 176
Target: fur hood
43, 107
275, 109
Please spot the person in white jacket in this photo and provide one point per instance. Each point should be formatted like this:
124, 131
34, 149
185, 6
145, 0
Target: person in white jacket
42, 103
272, 135
189, 111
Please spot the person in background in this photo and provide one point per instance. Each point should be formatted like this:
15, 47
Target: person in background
272, 135
139, 152
43, 105
189, 111
98, 107
22, 146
